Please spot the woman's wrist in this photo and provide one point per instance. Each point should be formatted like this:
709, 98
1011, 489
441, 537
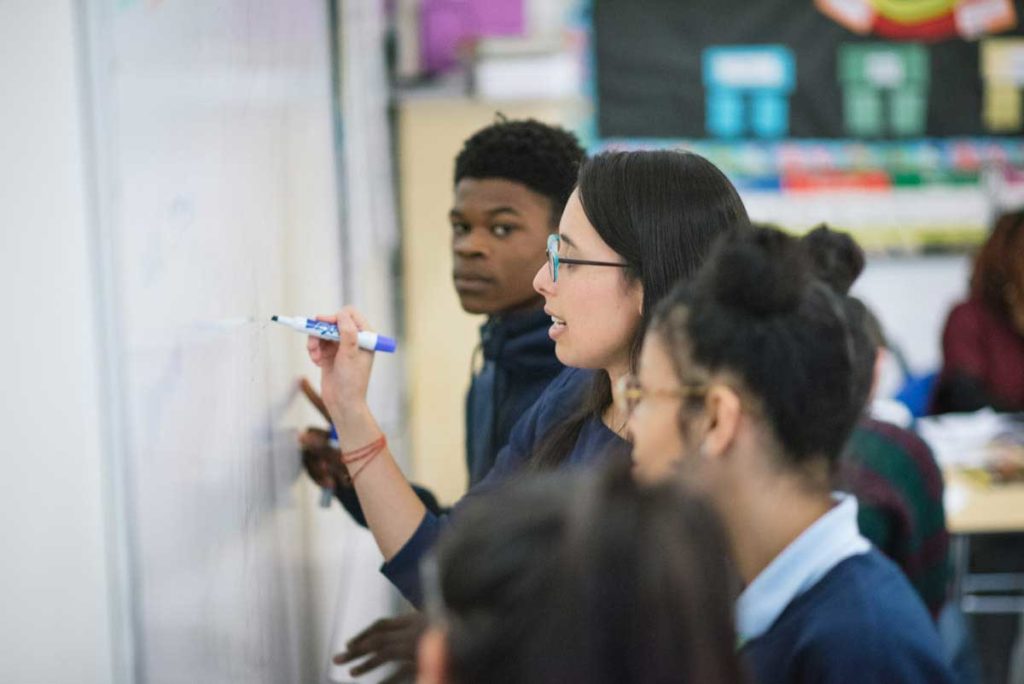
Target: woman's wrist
354, 424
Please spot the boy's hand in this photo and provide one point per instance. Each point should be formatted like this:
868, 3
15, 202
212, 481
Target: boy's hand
322, 461
390, 640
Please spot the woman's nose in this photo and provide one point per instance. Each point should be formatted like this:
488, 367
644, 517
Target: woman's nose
542, 282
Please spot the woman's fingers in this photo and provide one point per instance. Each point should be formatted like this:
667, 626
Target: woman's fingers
357, 318
320, 351
348, 329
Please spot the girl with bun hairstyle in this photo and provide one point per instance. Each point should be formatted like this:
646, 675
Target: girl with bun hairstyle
748, 388
636, 224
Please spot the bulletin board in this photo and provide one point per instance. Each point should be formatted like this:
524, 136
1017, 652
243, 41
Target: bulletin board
899, 120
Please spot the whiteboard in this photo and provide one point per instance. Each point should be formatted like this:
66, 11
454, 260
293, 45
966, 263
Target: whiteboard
216, 156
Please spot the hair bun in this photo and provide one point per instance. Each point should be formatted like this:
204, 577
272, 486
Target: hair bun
836, 258
763, 273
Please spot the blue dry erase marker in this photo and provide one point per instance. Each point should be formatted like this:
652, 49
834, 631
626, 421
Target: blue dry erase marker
370, 341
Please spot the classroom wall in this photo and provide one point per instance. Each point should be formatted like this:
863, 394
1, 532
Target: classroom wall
55, 579
911, 297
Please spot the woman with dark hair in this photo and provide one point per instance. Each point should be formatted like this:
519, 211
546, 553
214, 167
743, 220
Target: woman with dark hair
748, 387
983, 342
606, 583
637, 223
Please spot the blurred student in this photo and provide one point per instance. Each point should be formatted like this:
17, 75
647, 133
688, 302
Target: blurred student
747, 387
891, 471
512, 180
581, 578
983, 341
637, 223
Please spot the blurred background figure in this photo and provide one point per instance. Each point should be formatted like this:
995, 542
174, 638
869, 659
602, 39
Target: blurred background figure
983, 340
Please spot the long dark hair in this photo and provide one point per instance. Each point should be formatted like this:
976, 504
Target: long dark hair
586, 577
661, 211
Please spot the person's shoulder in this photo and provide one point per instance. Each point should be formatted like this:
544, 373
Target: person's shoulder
868, 581
568, 382
866, 602
894, 435
972, 313
896, 450
561, 398
863, 618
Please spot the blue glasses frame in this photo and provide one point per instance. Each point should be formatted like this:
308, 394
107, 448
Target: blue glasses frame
554, 260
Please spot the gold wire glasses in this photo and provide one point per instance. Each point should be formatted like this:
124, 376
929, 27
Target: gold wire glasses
630, 392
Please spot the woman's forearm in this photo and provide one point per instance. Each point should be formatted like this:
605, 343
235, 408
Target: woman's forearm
392, 509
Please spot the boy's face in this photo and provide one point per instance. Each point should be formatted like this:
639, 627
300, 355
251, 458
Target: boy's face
499, 236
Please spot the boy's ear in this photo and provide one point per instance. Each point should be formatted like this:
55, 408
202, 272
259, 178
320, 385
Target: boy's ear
432, 658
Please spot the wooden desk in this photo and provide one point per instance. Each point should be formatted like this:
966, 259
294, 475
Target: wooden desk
973, 508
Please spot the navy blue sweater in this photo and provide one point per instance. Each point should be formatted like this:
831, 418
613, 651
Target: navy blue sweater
862, 622
561, 398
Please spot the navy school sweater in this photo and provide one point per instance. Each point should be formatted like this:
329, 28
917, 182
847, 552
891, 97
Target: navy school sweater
594, 443
862, 622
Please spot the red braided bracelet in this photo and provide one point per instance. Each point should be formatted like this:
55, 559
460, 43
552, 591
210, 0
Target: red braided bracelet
364, 454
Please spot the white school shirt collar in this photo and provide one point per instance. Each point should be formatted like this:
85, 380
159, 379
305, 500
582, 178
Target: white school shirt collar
830, 540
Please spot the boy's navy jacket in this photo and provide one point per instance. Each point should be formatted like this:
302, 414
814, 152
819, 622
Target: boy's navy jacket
518, 364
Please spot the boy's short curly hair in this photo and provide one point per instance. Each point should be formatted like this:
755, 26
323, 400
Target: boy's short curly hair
544, 158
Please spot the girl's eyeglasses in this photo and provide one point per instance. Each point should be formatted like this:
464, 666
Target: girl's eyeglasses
554, 260
629, 392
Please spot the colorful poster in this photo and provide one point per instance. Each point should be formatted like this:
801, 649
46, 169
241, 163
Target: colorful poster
899, 120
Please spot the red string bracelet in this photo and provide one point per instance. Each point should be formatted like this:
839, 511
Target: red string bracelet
365, 454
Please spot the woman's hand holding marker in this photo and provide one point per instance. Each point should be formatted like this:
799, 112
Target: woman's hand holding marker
344, 367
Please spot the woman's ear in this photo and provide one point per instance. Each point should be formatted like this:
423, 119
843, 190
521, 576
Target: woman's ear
432, 658
638, 297
724, 408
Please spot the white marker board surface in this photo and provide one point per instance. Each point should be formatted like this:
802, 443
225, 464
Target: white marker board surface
217, 187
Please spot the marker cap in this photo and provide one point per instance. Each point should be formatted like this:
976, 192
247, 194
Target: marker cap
385, 344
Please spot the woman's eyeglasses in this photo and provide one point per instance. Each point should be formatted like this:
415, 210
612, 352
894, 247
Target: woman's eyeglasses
554, 260
629, 392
